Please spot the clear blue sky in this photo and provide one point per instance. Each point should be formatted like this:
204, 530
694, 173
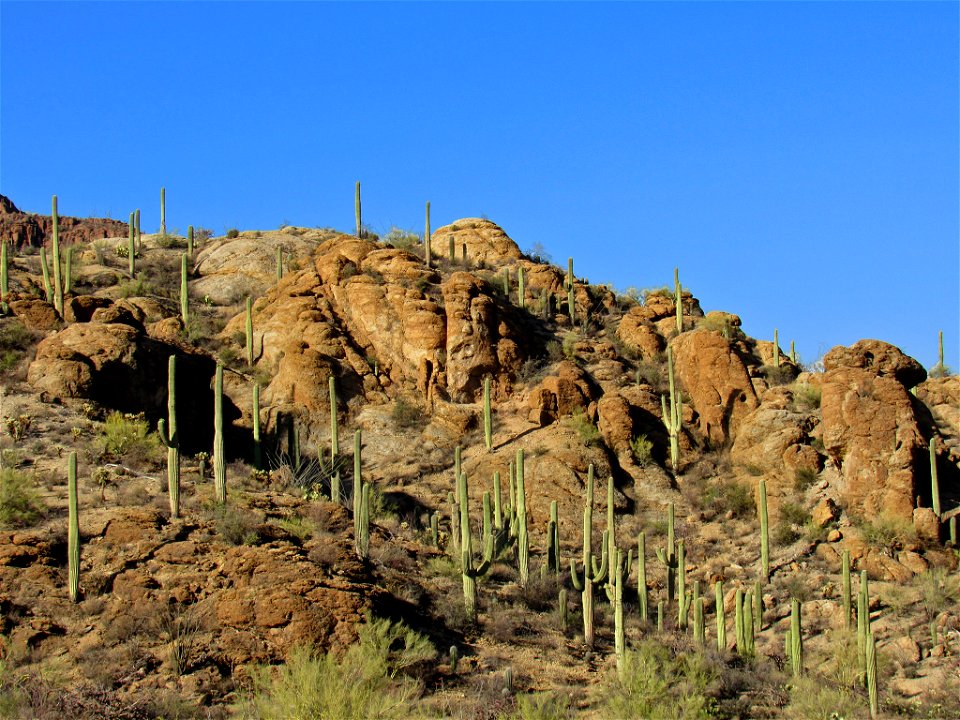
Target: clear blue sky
797, 161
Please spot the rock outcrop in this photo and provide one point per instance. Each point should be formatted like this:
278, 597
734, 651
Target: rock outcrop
30, 230
871, 430
715, 380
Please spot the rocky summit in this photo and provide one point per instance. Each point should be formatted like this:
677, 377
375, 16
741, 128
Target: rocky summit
301, 473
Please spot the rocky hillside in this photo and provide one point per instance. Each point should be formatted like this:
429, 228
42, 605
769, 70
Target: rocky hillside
687, 415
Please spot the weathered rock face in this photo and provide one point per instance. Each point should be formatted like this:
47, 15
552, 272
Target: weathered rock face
560, 395
30, 230
119, 366
870, 427
942, 397
776, 439
640, 334
232, 269
486, 242
715, 380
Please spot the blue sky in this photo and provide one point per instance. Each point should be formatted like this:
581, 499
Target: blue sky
797, 161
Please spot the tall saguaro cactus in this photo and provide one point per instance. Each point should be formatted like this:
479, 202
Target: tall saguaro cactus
487, 417
426, 238
618, 637
131, 250
764, 531
523, 539
672, 416
796, 640
171, 438
357, 481
248, 328
184, 291
468, 569
73, 530
678, 299
47, 288
356, 209
55, 251
592, 571
255, 417
190, 240
721, 617
4, 276
521, 288
642, 596
934, 479
776, 348
334, 442
219, 460
163, 211
668, 555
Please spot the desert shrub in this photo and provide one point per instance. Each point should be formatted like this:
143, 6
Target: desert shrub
722, 325
642, 448
406, 415
401, 239
127, 436
168, 241
794, 513
539, 706
806, 396
939, 590
20, 505
778, 374
793, 519
650, 371
804, 478
15, 340
232, 233
554, 351
237, 526
373, 679
730, 496
659, 684
532, 371
885, 532
813, 699
589, 434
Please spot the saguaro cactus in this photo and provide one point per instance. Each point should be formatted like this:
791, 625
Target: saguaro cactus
219, 460
426, 238
248, 328
847, 599
721, 617
523, 539
73, 530
357, 481
255, 417
678, 299
668, 554
553, 539
618, 637
487, 417
521, 289
4, 276
163, 211
776, 348
55, 251
171, 438
190, 240
934, 480
356, 209
872, 693
796, 639
363, 522
468, 570
599, 571
279, 263
47, 288
642, 597
672, 416
683, 599
764, 531
184, 293
131, 251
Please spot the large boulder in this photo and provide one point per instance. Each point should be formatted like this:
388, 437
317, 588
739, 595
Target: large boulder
485, 241
715, 380
870, 427
231, 269
640, 334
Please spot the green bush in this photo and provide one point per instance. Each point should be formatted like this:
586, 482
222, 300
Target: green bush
589, 434
406, 415
642, 449
885, 532
372, 680
804, 478
232, 233
127, 436
805, 396
15, 339
729, 496
401, 239
20, 506
540, 706
237, 526
659, 684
